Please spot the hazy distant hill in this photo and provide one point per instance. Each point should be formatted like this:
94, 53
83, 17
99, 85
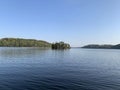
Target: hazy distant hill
116, 46
19, 42
95, 46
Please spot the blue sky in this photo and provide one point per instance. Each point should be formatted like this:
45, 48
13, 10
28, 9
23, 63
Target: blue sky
78, 22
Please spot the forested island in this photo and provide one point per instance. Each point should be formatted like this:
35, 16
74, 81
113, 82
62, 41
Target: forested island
19, 42
95, 46
60, 45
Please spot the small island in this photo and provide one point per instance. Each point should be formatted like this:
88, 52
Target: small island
60, 45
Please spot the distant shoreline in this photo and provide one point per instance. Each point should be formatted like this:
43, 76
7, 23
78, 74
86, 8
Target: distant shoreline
20, 42
105, 46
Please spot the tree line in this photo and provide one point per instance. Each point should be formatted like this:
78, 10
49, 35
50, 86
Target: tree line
18, 42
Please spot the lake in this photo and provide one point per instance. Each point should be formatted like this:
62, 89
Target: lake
46, 69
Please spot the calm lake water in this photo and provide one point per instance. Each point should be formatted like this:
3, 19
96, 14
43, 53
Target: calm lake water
46, 69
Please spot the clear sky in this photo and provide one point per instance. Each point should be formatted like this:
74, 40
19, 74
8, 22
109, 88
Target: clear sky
78, 22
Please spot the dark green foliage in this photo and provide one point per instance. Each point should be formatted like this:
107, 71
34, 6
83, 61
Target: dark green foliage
18, 42
60, 45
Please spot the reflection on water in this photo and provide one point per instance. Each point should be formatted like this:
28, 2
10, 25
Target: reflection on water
20, 52
46, 69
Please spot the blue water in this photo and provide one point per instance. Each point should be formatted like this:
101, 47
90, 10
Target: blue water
46, 69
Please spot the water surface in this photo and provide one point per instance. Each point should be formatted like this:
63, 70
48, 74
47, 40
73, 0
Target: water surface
46, 69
